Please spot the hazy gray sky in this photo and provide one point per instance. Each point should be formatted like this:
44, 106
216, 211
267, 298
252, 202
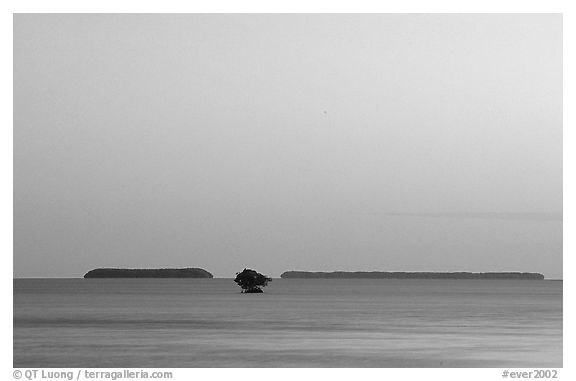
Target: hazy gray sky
287, 142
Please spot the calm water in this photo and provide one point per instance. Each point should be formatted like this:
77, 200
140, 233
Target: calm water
295, 323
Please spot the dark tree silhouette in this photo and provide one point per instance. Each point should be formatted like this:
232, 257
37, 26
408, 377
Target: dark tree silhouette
250, 281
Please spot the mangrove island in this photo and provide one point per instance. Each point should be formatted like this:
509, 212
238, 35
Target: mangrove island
148, 273
409, 275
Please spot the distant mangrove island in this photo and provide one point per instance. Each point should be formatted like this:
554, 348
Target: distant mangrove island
148, 273
408, 275
191, 272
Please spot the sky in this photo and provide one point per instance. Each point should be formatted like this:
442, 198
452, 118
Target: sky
321, 142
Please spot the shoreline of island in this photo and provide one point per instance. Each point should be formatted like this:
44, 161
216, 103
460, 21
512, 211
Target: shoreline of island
410, 275
193, 272
189, 272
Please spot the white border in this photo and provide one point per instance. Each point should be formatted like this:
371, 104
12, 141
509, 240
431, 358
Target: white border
300, 6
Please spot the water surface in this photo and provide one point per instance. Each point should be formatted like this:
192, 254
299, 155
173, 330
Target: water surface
295, 323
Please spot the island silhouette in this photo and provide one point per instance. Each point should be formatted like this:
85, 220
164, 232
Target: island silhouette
409, 275
190, 272
248, 277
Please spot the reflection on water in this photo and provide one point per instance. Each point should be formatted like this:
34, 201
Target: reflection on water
295, 323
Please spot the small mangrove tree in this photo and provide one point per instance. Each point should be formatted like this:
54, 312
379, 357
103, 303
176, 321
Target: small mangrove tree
251, 281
